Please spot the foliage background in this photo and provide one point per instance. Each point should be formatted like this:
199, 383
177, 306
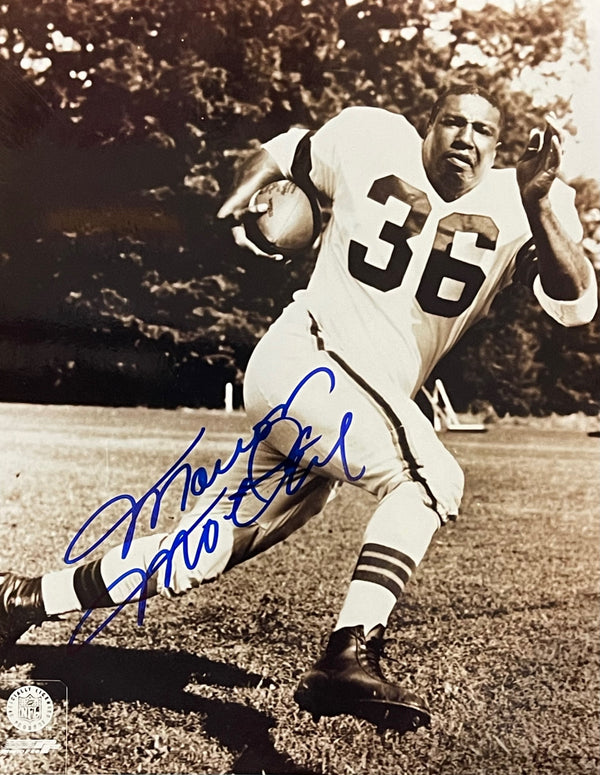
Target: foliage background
118, 286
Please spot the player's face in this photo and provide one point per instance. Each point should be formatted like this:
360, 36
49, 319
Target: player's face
460, 144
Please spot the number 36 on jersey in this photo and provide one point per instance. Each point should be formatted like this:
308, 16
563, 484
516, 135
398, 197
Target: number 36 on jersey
442, 262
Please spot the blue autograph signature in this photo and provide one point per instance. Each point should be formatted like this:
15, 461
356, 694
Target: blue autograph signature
287, 476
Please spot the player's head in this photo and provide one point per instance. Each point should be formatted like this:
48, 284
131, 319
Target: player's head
465, 88
461, 139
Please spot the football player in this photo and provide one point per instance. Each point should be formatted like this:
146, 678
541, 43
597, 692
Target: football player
423, 235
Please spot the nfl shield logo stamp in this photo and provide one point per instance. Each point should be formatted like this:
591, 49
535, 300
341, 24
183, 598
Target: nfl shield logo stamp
29, 708
33, 725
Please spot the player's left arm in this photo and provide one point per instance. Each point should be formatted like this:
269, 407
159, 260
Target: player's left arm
567, 287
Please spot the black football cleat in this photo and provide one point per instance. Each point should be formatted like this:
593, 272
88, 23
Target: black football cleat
348, 680
21, 607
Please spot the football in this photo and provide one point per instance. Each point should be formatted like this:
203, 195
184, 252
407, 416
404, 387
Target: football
291, 222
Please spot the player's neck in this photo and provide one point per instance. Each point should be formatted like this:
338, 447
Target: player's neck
448, 188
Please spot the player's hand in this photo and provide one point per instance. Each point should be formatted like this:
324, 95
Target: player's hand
540, 164
234, 214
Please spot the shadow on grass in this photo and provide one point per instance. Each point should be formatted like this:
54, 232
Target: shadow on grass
100, 674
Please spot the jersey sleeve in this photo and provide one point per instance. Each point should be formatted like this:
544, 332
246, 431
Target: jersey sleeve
316, 158
575, 312
310, 158
282, 148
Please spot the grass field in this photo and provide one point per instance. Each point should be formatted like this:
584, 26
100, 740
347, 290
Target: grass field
499, 628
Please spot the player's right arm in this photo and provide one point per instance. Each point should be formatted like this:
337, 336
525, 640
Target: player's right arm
256, 171
306, 158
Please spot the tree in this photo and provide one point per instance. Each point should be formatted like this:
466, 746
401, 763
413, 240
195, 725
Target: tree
108, 231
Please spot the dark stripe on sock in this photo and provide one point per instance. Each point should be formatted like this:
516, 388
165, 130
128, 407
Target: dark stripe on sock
372, 563
376, 578
90, 587
393, 419
404, 558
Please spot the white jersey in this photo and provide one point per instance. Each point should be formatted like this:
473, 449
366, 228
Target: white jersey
401, 273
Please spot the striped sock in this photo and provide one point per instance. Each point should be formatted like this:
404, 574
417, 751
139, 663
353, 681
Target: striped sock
75, 589
384, 566
379, 579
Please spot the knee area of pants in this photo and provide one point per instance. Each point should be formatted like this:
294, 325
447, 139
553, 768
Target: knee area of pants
201, 561
455, 476
445, 470
450, 493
